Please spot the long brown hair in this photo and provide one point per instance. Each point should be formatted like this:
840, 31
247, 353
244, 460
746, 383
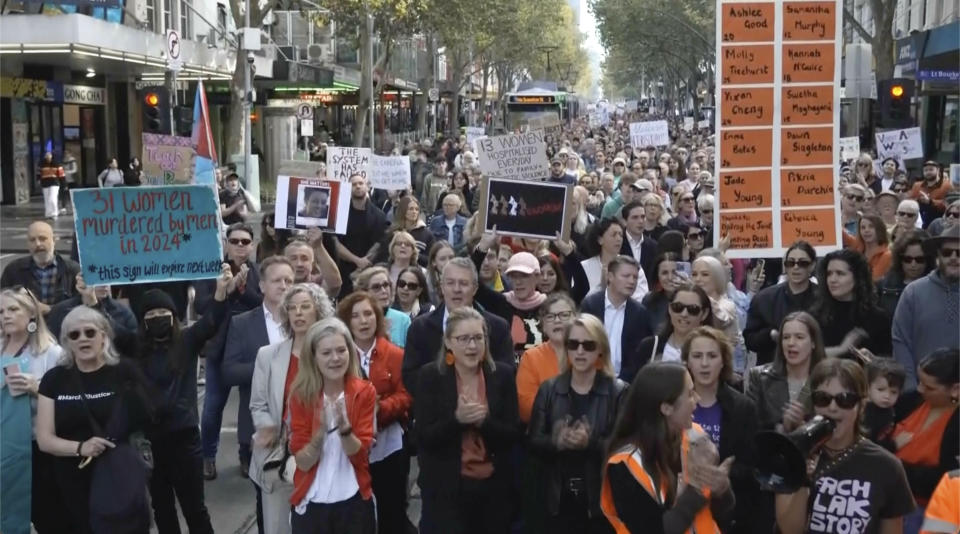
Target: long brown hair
817, 355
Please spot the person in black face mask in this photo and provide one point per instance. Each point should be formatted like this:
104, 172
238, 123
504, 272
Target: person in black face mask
168, 357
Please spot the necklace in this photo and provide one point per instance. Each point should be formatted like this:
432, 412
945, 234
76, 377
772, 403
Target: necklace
831, 463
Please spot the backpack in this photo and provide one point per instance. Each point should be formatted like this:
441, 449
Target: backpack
119, 503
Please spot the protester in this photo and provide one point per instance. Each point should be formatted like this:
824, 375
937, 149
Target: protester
45, 272
951, 217
552, 276
233, 201
709, 274
121, 317
466, 413
663, 282
112, 176
572, 418
930, 192
689, 308
29, 350
376, 281
407, 218
366, 224
634, 244
272, 239
908, 263
872, 241
654, 478
847, 459
380, 363
412, 297
448, 224
440, 253
312, 262
543, 362
605, 240
332, 411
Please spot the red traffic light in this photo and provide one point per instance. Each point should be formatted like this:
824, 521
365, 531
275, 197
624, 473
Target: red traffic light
151, 99
896, 91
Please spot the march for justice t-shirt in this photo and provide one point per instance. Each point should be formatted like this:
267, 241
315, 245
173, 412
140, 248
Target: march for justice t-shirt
860, 492
101, 387
710, 419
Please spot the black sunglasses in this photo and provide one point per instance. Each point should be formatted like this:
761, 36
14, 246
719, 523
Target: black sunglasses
695, 235
791, 263
906, 214
692, 309
241, 241
88, 333
953, 215
403, 284
949, 252
855, 198
587, 344
845, 400
913, 259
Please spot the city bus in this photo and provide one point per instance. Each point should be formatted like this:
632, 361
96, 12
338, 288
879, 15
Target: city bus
534, 105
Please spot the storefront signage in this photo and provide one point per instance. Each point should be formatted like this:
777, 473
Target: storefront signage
81, 94
939, 75
31, 89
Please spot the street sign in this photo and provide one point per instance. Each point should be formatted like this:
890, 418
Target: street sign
433, 94
174, 62
306, 127
304, 111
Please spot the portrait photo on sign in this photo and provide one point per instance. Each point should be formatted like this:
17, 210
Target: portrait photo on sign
313, 205
527, 209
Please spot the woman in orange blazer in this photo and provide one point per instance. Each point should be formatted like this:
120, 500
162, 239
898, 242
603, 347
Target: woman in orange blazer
380, 362
331, 424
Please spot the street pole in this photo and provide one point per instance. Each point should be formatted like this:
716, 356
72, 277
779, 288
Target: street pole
370, 77
253, 187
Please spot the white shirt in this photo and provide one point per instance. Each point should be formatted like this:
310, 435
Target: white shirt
335, 480
670, 353
450, 224
387, 440
613, 317
594, 271
274, 332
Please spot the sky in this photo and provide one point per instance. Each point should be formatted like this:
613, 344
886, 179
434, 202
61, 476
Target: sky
588, 27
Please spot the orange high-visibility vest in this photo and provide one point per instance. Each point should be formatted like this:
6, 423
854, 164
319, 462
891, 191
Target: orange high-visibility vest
943, 510
703, 522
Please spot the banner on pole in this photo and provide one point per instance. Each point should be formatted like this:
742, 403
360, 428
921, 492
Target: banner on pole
128, 235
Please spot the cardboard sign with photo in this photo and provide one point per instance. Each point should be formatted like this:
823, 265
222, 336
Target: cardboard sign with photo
536, 210
313, 205
304, 203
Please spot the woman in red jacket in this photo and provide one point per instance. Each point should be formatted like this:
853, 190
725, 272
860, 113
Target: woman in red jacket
331, 410
380, 362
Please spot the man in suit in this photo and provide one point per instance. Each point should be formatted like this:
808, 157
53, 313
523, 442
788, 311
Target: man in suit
239, 248
459, 284
624, 319
644, 250
245, 335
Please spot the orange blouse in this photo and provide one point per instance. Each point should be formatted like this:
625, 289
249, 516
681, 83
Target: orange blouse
537, 365
924, 447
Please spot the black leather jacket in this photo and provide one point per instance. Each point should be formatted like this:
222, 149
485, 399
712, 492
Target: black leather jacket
768, 389
552, 405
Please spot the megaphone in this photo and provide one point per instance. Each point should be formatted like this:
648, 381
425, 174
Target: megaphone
781, 465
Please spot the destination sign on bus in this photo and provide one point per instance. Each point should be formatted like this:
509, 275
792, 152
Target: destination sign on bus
537, 99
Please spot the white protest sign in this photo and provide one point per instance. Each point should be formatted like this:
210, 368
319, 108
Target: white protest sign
649, 133
704, 124
390, 172
687, 124
474, 132
905, 143
849, 148
344, 162
514, 157
306, 127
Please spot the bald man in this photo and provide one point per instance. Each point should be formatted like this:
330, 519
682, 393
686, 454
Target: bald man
47, 274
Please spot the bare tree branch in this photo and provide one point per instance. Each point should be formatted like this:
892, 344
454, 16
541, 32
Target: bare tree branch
852, 21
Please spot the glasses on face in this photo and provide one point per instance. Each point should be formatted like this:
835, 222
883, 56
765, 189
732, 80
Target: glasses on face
588, 344
403, 244
692, 309
953, 215
466, 339
791, 263
706, 212
913, 259
383, 286
947, 252
559, 316
240, 241
686, 199
695, 235
845, 400
403, 284
906, 214
862, 164
301, 308
88, 333
855, 198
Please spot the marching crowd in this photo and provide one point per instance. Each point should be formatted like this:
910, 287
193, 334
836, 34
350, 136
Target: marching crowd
612, 381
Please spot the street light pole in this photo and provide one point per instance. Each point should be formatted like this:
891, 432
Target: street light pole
254, 189
370, 77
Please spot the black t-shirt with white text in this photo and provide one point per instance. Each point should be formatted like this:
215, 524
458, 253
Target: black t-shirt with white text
857, 494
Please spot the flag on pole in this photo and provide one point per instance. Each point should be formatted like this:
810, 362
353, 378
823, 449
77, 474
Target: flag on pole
206, 160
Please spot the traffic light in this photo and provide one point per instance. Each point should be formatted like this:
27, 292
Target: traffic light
894, 98
155, 110
183, 121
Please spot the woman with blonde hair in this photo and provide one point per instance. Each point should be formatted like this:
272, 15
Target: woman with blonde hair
709, 274
332, 425
402, 253
29, 350
467, 427
655, 217
573, 416
408, 218
376, 281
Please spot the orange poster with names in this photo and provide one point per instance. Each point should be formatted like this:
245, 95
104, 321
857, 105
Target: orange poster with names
747, 22
778, 117
747, 106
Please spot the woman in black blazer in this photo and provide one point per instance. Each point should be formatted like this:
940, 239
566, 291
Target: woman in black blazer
730, 419
467, 425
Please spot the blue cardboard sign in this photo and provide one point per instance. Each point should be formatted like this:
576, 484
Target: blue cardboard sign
128, 235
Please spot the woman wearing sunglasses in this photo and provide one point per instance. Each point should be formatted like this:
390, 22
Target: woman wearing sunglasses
951, 217
728, 417
855, 485
376, 281
467, 426
543, 362
688, 308
572, 418
661, 473
909, 262
380, 363
412, 298
29, 350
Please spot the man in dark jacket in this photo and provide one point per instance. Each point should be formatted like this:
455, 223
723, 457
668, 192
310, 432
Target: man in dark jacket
366, 225
642, 249
624, 319
121, 317
47, 274
459, 284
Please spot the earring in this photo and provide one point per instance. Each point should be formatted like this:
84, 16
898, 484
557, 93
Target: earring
32, 326
448, 359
